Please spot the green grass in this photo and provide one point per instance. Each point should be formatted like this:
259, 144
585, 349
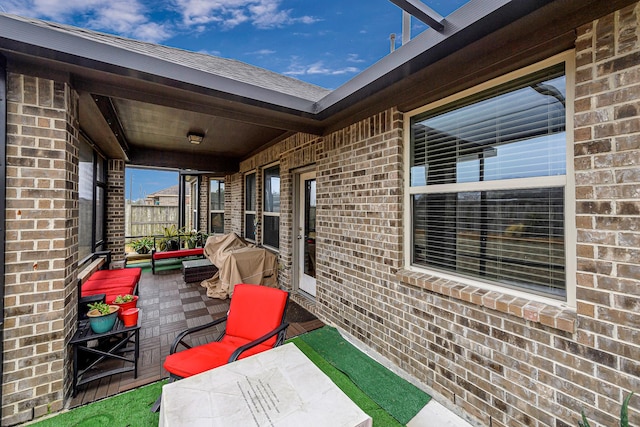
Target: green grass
380, 417
388, 399
129, 409
399, 398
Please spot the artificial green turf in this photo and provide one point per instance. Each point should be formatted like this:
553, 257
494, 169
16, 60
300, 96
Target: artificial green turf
130, 409
388, 399
401, 399
379, 416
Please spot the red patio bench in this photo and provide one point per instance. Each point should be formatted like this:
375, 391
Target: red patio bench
97, 283
180, 253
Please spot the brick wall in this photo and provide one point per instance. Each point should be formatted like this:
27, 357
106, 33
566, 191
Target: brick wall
292, 153
115, 211
203, 208
496, 359
607, 173
41, 245
493, 358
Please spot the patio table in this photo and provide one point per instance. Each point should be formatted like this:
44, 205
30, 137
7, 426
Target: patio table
110, 346
279, 387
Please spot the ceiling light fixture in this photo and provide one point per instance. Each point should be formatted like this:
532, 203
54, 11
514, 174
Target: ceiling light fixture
195, 138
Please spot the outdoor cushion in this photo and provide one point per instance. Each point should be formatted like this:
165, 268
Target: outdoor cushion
110, 274
178, 254
255, 311
208, 356
106, 284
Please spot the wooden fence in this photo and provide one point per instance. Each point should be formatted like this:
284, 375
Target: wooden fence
148, 220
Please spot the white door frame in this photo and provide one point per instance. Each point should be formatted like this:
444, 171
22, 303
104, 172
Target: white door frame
303, 282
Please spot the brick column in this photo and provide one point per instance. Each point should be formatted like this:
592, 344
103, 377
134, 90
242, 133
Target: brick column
41, 245
203, 208
115, 211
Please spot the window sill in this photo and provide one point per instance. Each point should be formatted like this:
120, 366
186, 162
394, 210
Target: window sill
562, 318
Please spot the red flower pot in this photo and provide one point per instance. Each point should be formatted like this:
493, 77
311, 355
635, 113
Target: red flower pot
126, 305
130, 317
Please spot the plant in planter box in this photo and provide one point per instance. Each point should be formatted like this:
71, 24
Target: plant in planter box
102, 316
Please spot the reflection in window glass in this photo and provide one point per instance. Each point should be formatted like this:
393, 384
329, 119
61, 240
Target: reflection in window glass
85, 197
271, 207
216, 206
510, 232
250, 206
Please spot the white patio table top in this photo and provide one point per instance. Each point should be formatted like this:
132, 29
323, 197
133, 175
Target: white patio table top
279, 387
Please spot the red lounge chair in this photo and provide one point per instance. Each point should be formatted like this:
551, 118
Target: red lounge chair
254, 323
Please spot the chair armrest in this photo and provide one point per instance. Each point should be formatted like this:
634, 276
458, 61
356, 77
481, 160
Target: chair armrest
257, 341
186, 332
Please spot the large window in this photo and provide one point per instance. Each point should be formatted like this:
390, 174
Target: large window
250, 207
91, 201
271, 207
487, 185
216, 206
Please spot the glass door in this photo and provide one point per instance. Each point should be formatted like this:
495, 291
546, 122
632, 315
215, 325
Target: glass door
306, 233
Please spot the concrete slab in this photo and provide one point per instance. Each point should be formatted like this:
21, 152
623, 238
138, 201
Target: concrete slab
436, 415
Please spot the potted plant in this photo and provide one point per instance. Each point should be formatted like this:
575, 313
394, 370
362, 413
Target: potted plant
142, 245
125, 302
102, 316
191, 237
171, 239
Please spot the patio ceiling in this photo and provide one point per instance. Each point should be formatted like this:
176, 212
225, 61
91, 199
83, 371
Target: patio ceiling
138, 101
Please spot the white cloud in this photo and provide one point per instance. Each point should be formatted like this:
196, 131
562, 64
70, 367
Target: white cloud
263, 14
354, 57
262, 52
318, 68
123, 17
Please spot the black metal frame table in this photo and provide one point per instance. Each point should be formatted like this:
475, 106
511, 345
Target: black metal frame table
111, 345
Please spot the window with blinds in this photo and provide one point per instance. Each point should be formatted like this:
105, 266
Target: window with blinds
487, 185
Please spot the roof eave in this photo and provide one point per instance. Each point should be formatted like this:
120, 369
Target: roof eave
76, 50
469, 23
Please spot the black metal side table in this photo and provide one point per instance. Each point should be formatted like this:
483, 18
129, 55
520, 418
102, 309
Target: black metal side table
109, 345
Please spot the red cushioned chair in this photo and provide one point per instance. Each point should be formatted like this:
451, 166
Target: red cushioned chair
254, 323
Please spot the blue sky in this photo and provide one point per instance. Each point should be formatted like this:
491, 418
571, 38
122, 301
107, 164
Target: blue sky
324, 42
142, 182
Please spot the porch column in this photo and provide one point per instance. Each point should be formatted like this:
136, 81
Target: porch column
115, 211
41, 245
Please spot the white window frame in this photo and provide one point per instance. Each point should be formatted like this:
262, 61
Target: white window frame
567, 180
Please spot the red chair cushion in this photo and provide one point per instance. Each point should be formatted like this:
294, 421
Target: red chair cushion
120, 272
204, 357
106, 284
178, 254
254, 311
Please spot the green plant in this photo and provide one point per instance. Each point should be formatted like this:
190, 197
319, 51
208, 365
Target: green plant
624, 414
193, 237
170, 240
121, 299
142, 245
102, 307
